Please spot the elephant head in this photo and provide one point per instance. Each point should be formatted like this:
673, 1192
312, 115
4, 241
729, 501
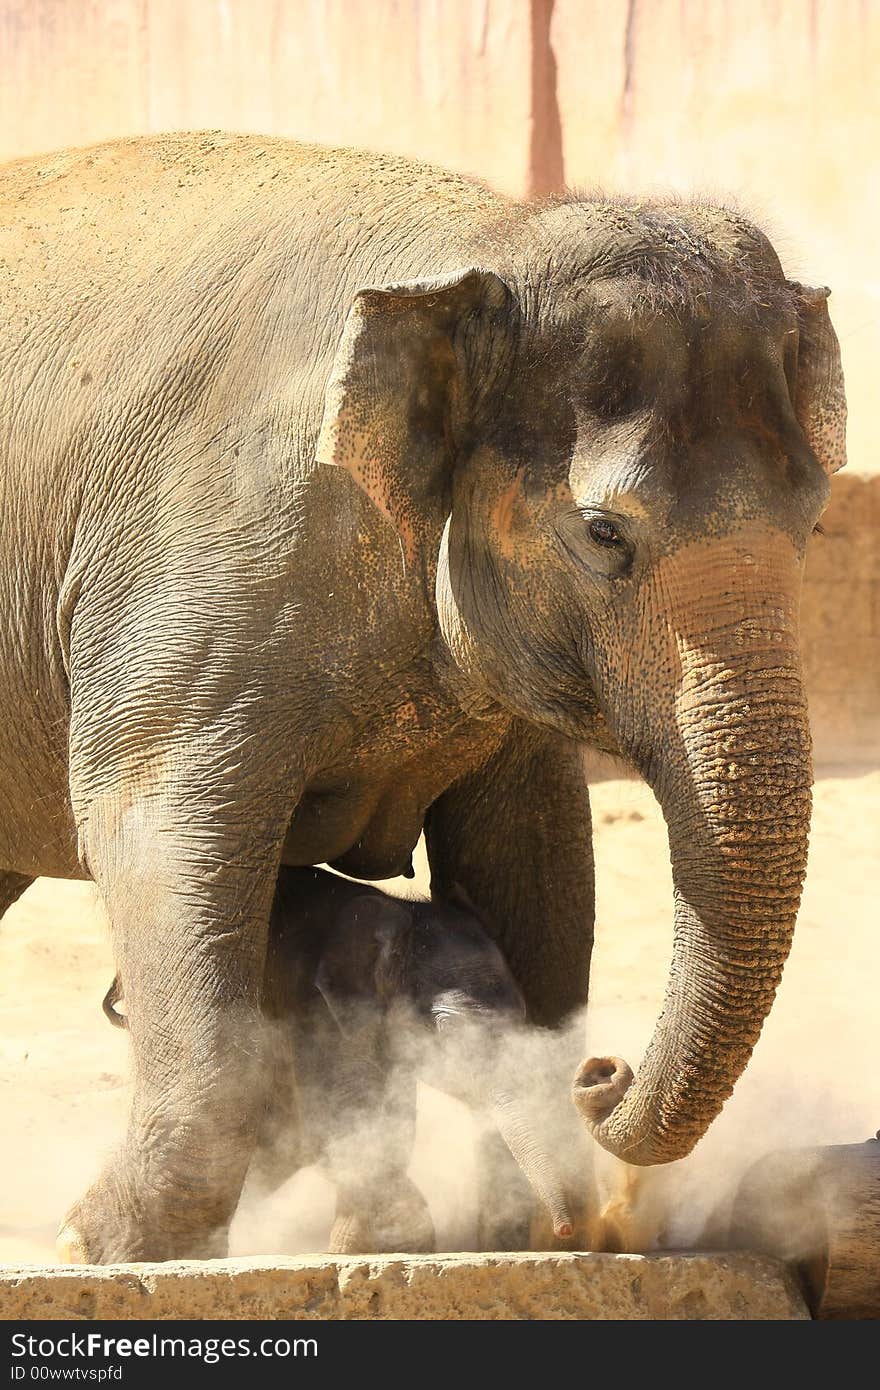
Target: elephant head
609, 443
424, 985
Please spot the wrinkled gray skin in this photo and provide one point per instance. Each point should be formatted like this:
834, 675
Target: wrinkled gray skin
372, 993
340, 498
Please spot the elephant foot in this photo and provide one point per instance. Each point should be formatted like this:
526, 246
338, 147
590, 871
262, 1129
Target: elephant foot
405, 1222
70, 1247
366, 1225
115, 1223
352, 1234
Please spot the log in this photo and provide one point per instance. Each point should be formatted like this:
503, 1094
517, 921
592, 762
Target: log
819, 1209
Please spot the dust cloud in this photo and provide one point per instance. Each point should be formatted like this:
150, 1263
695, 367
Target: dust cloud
813, 1079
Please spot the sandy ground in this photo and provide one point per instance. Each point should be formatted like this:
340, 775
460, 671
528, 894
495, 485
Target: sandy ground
814, 1076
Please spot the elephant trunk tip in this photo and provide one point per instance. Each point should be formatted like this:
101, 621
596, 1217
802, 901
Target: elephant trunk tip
563, 1230
600, 1083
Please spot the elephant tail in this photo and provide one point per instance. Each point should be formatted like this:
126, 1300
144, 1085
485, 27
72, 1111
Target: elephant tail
111, 999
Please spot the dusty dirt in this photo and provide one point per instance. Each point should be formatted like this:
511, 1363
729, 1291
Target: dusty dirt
814, 1076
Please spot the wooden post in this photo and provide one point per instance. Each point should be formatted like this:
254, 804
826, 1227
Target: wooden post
820, 1210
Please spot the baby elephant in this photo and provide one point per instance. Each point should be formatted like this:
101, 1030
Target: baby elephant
366, 994
373, 994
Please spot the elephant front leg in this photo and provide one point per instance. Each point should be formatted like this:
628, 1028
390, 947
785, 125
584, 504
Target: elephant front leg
188, 895
378, 1206
382, 1219
516, 835
505, 1203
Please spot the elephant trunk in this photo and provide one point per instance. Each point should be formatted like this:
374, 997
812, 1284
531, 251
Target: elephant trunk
532, 1159
486, 1088
734, 783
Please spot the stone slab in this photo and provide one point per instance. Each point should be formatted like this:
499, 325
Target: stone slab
519, 1286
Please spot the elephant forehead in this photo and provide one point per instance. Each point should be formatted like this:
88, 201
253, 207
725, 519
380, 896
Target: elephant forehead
616, 470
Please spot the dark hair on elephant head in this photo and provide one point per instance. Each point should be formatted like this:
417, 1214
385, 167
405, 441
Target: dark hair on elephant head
672, 253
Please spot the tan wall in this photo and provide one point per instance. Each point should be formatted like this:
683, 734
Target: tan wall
447, 80
841, 624
774, 100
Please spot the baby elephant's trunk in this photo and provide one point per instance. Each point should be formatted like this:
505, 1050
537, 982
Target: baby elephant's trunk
533, 1160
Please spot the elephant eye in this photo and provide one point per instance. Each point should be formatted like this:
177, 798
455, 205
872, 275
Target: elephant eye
604, 532
598, 540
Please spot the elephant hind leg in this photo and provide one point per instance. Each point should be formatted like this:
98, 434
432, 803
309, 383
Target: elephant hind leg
11, 888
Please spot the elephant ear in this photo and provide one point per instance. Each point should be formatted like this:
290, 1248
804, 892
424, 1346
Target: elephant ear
819, 393
398, 390
363, 962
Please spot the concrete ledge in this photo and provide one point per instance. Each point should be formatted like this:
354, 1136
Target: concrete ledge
559, 1286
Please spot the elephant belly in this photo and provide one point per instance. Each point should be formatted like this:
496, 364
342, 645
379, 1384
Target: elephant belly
354, 829
365, 820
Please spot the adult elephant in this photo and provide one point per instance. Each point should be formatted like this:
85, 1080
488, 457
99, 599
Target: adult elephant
342, 497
